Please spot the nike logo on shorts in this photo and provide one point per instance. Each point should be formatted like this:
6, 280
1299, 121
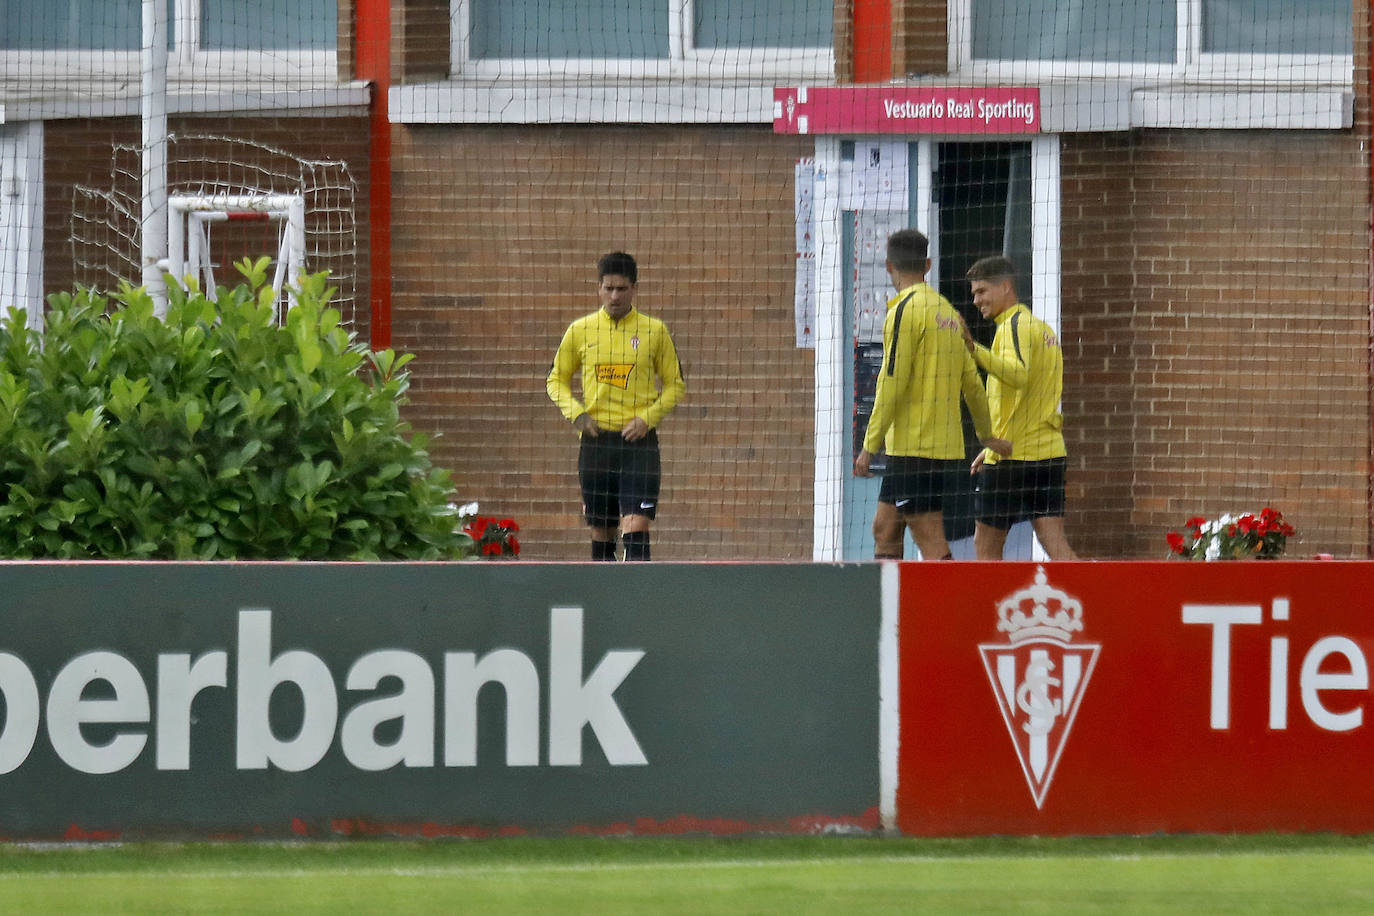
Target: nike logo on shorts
901, 502
646, 505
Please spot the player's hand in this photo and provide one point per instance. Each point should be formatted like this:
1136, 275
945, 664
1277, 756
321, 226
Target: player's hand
635, 430
1000, 446
585, 425
978, 462
967, 334
861, 464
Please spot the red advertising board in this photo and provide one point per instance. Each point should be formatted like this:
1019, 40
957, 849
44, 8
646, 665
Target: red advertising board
1130, 698
906, 110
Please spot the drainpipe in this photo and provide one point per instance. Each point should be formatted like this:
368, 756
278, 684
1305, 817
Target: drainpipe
372, 41
872, 41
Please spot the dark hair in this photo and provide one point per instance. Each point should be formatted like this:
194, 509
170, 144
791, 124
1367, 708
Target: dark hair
618, 263
907, 250
995, 268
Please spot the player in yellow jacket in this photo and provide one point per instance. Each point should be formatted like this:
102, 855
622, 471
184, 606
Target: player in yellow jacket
1025, 367
916, 413
631, 379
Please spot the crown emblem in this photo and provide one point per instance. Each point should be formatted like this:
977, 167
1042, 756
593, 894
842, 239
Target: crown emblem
1039, 610
1039, 675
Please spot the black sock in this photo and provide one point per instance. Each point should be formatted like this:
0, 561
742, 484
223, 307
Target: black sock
636, 545
603, 550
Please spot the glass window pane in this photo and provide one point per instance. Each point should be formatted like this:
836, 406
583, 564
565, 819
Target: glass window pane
1277, 27
269, 25
71, 25
1106, 31
764, 24
544, 29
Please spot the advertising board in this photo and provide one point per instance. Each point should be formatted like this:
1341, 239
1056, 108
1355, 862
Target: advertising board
1133, 698
465, 699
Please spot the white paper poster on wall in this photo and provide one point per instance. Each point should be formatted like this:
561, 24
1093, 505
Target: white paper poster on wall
804, 290
805, 305
872, 286
880, 176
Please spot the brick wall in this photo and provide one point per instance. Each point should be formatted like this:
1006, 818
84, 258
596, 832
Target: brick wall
496, 235
920, 38
1097, 317
1216, 312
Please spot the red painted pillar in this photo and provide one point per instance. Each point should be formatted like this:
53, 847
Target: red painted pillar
872, 41
372, 40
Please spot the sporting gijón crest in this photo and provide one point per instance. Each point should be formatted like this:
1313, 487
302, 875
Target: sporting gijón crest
1039, 675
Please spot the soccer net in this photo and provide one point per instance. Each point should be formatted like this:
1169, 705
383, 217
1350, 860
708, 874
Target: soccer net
229, 198
1181, 186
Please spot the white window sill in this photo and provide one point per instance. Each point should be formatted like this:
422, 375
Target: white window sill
638, 102
345, 98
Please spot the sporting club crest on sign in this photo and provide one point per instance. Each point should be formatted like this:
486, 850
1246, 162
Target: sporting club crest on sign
1039, 675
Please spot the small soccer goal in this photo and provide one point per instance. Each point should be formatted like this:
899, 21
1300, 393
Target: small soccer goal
189, 221
228, 198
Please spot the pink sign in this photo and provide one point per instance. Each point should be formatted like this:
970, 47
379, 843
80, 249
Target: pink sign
905, 110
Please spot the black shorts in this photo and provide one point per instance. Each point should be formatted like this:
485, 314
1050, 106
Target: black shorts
918, 485
1015, 491
618, 478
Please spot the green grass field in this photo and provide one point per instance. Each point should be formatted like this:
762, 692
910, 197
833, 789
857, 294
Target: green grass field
1271, 874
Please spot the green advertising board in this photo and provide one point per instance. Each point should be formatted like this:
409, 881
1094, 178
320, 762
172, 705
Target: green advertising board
242, 699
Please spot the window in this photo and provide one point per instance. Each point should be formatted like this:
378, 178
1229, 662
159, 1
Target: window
247, 40
266, 25
1234, 40
549, 38
1134, 31
1276, 27
70, 25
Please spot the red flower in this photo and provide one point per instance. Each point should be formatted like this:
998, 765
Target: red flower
492, 549
514, 545
476, 528
1176, 542
508, 524
1195, 522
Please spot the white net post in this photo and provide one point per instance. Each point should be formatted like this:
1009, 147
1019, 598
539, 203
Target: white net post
154, 151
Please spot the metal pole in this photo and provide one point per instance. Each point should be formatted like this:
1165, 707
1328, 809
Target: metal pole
154, 159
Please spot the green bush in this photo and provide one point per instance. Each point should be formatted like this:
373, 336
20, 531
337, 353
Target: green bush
211, 434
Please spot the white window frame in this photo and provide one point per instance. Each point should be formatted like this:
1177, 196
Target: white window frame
1191, 63
187, 62
684, 59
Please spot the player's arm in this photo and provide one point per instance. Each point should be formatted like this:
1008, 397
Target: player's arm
566, 361
669, 370
1009, 358
976, 397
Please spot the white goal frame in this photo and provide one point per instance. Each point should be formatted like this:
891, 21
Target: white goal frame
190, 216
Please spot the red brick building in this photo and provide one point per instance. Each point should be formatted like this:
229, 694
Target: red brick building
1193, 212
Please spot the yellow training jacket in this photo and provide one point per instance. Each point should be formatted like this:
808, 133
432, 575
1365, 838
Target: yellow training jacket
620, 361
1025, 368
925, 367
